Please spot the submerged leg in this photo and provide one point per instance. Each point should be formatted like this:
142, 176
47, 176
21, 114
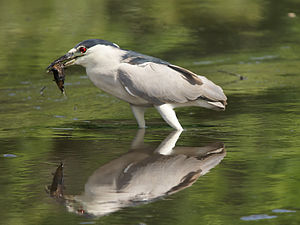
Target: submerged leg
166, 147
169, 115
138, 141
138, 112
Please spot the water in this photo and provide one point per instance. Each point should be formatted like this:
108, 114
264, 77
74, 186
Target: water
255, 180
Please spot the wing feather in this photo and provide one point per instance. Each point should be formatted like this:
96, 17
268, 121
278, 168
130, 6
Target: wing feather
166, 83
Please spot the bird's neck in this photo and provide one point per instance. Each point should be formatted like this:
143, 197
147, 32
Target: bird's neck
104, 58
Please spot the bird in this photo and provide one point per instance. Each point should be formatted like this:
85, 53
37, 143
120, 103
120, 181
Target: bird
143, 81
142, 175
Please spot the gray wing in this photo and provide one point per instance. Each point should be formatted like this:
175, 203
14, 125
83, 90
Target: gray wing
161, 83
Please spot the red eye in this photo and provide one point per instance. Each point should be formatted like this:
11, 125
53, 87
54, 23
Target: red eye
82, 49
81, 211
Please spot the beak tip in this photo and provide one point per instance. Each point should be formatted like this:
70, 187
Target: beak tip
63, 59
49, 68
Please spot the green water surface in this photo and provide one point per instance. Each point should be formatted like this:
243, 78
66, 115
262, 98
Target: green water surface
257, 182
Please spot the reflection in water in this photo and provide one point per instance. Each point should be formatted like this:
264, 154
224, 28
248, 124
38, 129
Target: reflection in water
141, 175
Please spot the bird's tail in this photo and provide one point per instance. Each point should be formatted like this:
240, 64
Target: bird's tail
209, 104
212, 95
218, 106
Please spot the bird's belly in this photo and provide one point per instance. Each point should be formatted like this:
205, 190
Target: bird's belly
109, 83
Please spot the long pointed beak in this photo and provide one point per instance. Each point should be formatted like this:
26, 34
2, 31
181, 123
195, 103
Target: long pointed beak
67, 60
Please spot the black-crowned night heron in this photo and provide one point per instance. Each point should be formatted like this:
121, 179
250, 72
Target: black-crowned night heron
142, 175
143, 81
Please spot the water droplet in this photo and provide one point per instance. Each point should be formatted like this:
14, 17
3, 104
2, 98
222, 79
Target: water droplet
9, 155
257, 217
59, 116
283, 211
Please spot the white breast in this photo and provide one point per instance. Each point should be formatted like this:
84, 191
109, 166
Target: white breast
101, 65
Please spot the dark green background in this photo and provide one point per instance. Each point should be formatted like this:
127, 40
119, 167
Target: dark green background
260, 128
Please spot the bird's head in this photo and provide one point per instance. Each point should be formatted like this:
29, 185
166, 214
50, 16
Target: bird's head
83, 53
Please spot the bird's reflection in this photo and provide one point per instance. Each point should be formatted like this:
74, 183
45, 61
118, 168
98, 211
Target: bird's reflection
140, 176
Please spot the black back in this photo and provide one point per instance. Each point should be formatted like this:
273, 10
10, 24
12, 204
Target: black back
136, 58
